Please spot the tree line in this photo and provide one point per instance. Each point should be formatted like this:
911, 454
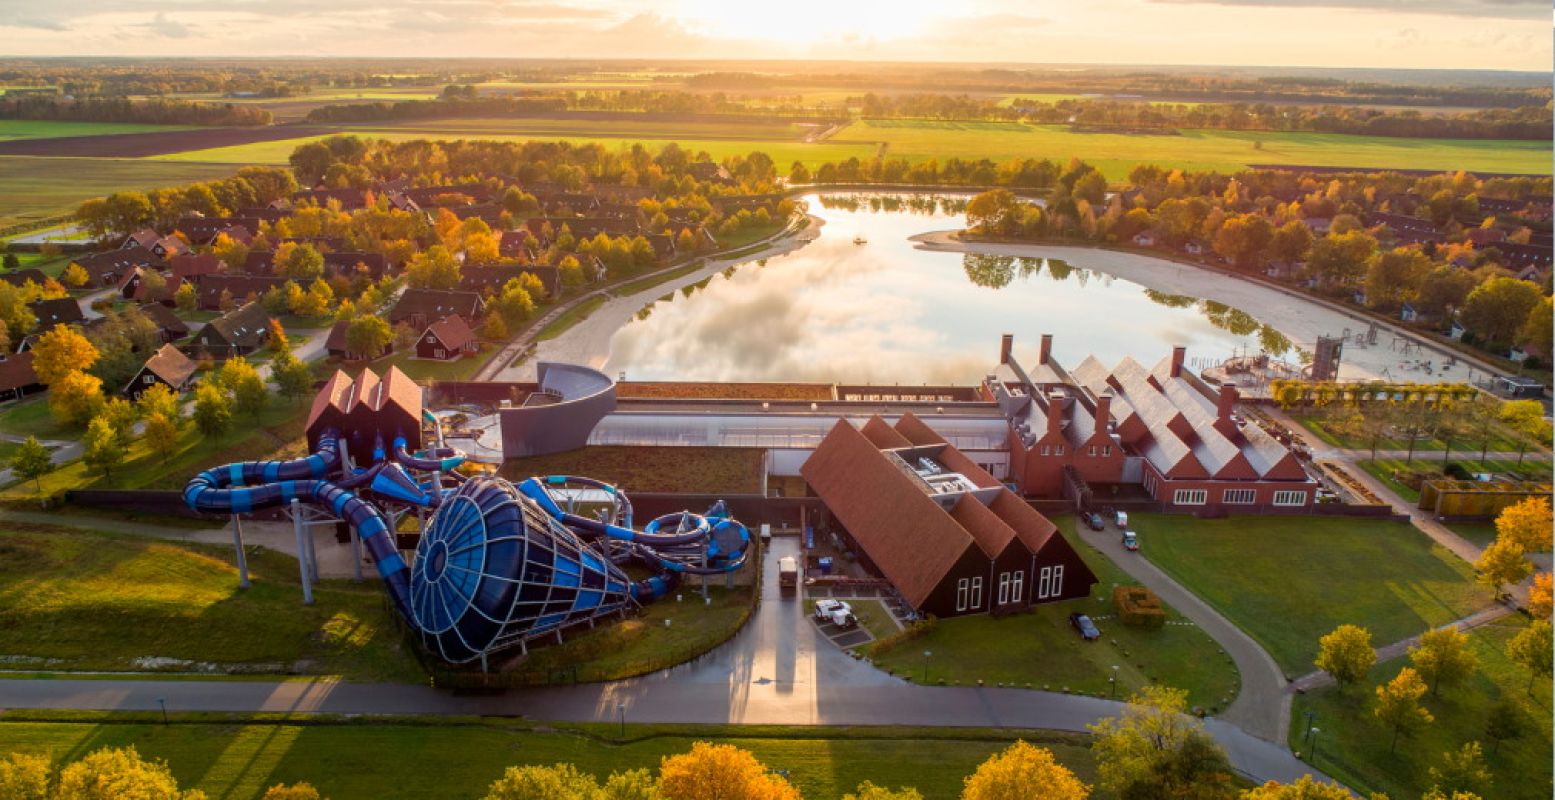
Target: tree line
157, 111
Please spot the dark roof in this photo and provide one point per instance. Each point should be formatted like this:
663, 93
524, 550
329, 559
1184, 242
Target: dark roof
345, 262
165, 319
195, 265
16, 370
245, 326
452, 331
584, 227
171, 365
23, 276
117, 262
515, 243
435, 303
209, 290
336, 341
480, 277
259, 262
423, 195
59, 311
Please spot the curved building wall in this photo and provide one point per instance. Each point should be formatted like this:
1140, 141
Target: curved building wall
581, 397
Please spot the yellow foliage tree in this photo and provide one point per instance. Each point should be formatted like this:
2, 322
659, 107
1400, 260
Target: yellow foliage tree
1398, 704
297, 791
1527, 523
1304, 789
720, 772
1502, 564
1346, 653
1540, 602
75, 398
74, 276
110, 773
59, 351
1021, 771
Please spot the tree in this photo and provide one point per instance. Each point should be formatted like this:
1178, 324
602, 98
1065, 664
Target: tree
514, 304
292, 377
248, 391
367, 336
75, 398
571, 273
1339, 261
212, 410
869, 791
995, 212
1398, 705
433, 268
1290, 242
1444, 288
59, 351
1156, 750
297, 791
558, 782
1527, 523
12, 262
1394, 278
1497, 308
301, 262
161, 433
1526, 418
1461, 771
633, 784
1535, 333
279, 342
185, 299
24, 777
158, 399
1346, 654
116, 773
1540, 602
1442, 657
1502, 564
315, 302
1304, 789
1532, 648
74, 276
1505, 722
719, 771
31, 462
494, 329
101, 446
1023, 771
121, 418
1480, 416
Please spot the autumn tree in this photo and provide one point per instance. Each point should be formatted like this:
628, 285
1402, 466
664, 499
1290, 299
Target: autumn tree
1290, 242
31, 462
1533, 648
161, 433
24, 777
570, 273
433, 268
121, 418
1528, 523
1535, 333
185, 299
1461, 770
1398, 705
157, 399
1346, 654
1505, 722
1307, 788
1339, 261
367, 336
75, 398
118, 773
279, 342
1540, 602
995, 212
1502, 564
297, 791
1156, 750
1023, 770
869, 791
292, 378
101, 447
242, 381
60, 350
1444, 288
1442, 657
1394, 278
212, 410
1497, 308
535, 782
74, 276
720, 772
1526, 418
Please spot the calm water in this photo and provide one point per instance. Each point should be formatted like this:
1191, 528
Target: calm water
885, 312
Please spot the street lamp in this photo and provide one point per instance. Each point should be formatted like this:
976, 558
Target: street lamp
162, 701
621, 710
1113, 679
1312, 754
927, 654
1310, 715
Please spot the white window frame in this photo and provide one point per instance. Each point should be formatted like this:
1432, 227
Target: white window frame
1058, 450
1190, 497
1018, 586
961, 594
1091, 451
1106, 450
1004, 588
1058, 581
977, 592
1046, 450
1239, 497
1290, 497
1045, 582
148, 379
439, 353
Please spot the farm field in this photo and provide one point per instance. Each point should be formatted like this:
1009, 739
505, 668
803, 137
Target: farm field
1115, 154
34, 188
550, 128
11, 129
237, 760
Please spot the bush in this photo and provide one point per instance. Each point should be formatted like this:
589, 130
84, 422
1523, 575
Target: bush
1138, 606
1457, 471
914, 630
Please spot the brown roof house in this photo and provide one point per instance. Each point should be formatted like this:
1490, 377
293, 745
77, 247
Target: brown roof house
59, 311
367, 411
447, 339
167, 322
948, 536
237, 333
168, 366
108, 268
419, 307
163, 247
336, 344
17, 378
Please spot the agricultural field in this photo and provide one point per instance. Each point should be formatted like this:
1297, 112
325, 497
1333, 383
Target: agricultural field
236, 760
34, 188
11, 129
1115, 154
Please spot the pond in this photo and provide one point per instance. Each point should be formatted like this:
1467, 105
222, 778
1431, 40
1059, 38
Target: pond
862, 304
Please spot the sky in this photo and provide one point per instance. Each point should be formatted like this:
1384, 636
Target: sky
1451, 34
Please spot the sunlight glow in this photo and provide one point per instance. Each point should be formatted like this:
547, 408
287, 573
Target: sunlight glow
804, 22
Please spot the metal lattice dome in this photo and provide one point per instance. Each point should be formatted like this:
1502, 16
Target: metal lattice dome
492, 570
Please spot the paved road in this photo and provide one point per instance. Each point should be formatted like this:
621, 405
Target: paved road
778, 670
1262, 707
1317, 678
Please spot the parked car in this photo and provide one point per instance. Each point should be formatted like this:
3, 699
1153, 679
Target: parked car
1093, 521
1130, 540
1087, 629
836, 612
1121, 519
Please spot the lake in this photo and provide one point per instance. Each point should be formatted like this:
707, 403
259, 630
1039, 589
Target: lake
886, 312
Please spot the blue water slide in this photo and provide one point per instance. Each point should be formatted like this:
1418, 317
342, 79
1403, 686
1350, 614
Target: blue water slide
437, 459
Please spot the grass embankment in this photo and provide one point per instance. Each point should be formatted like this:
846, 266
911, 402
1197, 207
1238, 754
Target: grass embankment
1042, 649
1286, 581
1386, 470
703, 470
98, 601
236, 761
1353, 746
569, 318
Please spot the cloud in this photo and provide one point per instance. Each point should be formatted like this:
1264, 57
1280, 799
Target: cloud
162, 25
1506, 9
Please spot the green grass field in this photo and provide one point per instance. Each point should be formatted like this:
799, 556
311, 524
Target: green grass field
97, 601
1286, 581
562, 128
48, 129
235, 761
38, 188
1042, 649
1116, 154
1354, 747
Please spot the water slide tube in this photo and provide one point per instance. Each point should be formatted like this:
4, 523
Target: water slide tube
437, 459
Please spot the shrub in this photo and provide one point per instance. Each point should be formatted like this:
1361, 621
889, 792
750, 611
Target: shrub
1138, 606
1456, 471
914, 630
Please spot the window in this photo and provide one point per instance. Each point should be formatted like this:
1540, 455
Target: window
1058, 451
1106, 450
1290, 498
961, 586
1004, 588
1018, 586
1239, 497
1058, 581
439, 353
977, 593
1047, 450
1190, 497
1045, 582
1091, 451
148, 379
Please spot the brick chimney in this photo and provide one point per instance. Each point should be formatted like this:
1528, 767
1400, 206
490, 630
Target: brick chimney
1223, 406
1055, 413
1006, 344
1103, 411
1179, 353
1047, 348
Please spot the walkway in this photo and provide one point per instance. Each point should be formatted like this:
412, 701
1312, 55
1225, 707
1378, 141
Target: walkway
1319, 678
1262, 707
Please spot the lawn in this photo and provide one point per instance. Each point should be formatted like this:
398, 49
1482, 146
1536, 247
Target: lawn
98, 601
569, 318
1353, 745
423, 369
49, 129
1116, 153
38, 188
1501, 440
234, 761
1288, 580
702, 470
1042, 650
30, 417
735, 128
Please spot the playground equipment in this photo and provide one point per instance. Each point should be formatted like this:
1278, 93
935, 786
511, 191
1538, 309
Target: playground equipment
497, 564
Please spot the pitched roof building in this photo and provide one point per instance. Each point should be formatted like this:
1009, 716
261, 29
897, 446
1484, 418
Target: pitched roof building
368, 411
419, 307
59, 311
168, 366
238, 332
447, 339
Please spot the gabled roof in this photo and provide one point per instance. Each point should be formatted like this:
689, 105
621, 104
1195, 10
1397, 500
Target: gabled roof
452, 331
16, 370
23, 277
435, 303
245, 326
336, 340
882, 435
171, 365
114, 262
985, 528
194, 265
209, 289
165, 319
59, 311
